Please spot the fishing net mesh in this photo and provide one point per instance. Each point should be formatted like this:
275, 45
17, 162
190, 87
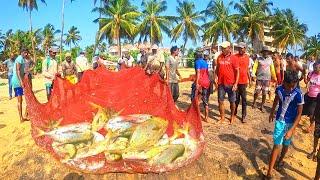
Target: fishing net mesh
129, 91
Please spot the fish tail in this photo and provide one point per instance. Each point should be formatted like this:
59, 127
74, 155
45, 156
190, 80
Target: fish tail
39, 132
96, 106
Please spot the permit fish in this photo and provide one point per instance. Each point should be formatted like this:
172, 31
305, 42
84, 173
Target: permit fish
144, 155
122, 123
66, 151
189, 142
69, 134
168, 155
147, 134
102, 116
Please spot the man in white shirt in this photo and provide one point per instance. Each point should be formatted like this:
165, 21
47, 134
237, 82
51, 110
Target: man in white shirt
81, 64
310, 64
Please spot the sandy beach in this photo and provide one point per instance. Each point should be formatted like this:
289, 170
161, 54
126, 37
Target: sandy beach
238, 151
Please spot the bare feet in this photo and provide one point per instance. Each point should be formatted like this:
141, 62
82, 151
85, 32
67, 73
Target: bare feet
232, 119
253, 106
23, 120
261, 109
221, 120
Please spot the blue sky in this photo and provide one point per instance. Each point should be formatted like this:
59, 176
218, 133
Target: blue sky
79, 14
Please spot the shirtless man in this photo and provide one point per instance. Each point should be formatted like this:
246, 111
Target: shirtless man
292, 65
278, 66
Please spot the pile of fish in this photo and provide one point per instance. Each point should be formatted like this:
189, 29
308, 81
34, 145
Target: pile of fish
137, 137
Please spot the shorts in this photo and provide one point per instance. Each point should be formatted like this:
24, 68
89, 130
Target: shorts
262, 85
18, 91
223, 89
309, 105
280, 130
204, 95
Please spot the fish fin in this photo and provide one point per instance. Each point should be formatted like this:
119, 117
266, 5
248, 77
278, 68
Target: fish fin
118, 113
95, 106
185, 129
39, 132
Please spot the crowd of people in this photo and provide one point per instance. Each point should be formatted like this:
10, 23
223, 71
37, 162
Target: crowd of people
226, 72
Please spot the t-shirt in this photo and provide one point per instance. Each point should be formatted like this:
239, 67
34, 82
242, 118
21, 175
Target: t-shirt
28, 64
310, 66
227, 69
251, 63
172, 63
9, 63
202, 66
244, 64
314, 84
288, 104
263, 68
15, 79
69, 69
82, 63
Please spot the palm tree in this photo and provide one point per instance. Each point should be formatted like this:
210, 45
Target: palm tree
312, 47
120, 19
97, 39
62, 27
187, 19
36, 38
252, 18
73, 37
102, 47
287, 30
29, 5
222, 24
48, 34
2, 40
153, 23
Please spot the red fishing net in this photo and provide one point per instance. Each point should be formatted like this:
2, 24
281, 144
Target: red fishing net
129, 91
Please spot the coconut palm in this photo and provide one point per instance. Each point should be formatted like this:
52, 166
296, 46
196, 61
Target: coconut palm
153, 23
223, 23
62, 27
30, 5
72, 37
97, 39
2, 39
119, 20
287, 30
187, 20
312, 47
252, 17
48, 34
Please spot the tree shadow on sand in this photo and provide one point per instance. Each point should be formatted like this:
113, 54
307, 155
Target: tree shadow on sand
257, 149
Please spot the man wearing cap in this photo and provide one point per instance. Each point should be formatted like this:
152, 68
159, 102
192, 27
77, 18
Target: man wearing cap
49, 70
81, 64
69, 69
9, 64
17, 80
202, 82
244, 80
263, 71
155, 62
228, 77
172, 72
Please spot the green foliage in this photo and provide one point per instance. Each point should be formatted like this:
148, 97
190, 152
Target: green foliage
89, 53
190, 58
134, 53
38, 66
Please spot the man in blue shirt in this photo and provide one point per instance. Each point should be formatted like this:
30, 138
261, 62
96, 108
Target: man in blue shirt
290, 100
9, 64
202, 82
17, 80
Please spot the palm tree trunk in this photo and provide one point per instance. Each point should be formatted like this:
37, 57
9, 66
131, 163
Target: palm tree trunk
62, 27
31, 37
184, 47
97, 34
119, 43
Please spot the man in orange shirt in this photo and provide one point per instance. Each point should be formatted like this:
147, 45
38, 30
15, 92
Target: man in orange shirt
244, 79
228, 77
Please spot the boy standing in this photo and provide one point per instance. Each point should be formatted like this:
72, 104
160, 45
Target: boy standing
172, 72
290, 100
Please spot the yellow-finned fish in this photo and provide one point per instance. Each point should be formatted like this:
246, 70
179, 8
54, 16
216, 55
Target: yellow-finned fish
147, 134
66, 151
69, 134
168, 155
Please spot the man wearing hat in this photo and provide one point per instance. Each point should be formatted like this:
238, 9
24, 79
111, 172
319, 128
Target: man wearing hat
263, 71
172, 72
17, 80
81, 64
49, 70
228, 76
69, 69
244, 80
155, 62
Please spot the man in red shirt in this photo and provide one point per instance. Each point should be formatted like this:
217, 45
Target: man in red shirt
244, 79
228, 76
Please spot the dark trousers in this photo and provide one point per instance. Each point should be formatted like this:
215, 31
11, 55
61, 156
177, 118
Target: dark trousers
242, 93
174, 88
80, 76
